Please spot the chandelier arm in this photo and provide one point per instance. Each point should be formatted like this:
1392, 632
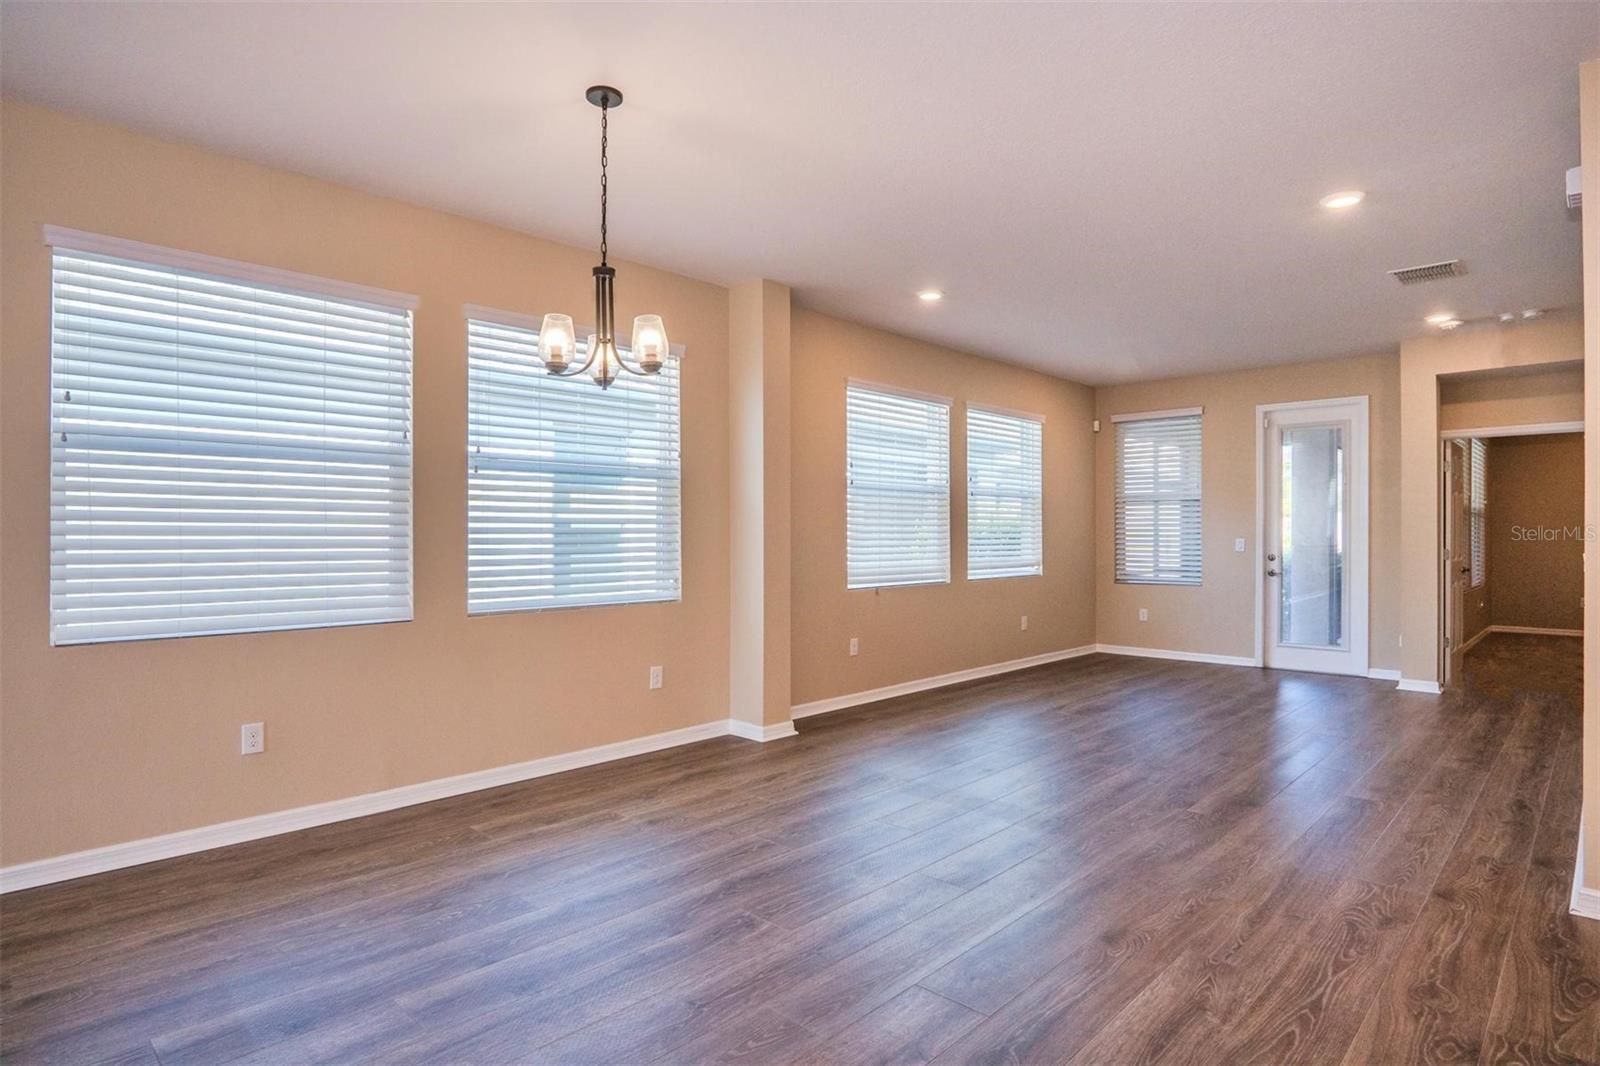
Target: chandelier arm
632, 368
573, 369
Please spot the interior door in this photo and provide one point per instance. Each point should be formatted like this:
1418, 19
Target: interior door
1315, 537
1457, 552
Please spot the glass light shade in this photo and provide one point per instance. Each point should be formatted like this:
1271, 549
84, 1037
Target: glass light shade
558, 342
606, 363
649, 342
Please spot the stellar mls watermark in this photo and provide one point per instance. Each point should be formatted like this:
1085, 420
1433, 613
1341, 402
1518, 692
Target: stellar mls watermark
1586, 534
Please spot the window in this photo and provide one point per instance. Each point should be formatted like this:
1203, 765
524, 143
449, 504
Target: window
1479, 509
897, 529
1005, 495
1158, 498
230, 447
572, 490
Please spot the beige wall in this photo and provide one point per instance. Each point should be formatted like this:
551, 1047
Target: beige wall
114, 742
1424, 360
1536, 483
1516, 396
1219, 616
922, 631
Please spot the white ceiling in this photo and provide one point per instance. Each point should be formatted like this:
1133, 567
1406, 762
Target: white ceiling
1108, 192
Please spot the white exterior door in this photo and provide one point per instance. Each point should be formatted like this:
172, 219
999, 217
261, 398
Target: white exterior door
1314, 536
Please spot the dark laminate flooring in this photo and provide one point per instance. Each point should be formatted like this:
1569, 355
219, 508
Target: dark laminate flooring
1108, 860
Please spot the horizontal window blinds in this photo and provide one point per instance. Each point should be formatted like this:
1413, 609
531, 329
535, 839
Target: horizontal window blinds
1158, 537
572, 490
898, 489
1479, 506
1005, 491
226, 455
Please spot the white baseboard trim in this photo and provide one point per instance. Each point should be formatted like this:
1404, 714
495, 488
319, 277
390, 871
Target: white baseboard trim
1535, 631
1411, 684
1585, 901
906, 688
204, 838
762, 733
1185, 656
1376, 674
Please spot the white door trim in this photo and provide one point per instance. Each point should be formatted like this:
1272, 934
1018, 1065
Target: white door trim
1360, 517
1531, 429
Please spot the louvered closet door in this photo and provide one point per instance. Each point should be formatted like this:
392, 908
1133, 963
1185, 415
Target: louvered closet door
225, 455
572, 490
1479, 501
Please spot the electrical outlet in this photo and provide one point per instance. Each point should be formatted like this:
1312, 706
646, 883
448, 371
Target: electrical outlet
1238, 544
1144, 614
1024, 623
855, 645
252, 738
655, 677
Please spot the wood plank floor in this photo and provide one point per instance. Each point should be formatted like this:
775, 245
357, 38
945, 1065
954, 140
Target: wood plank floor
1108, 860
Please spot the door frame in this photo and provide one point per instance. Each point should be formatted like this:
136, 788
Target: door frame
1450, 601
1442, 532
1360, 524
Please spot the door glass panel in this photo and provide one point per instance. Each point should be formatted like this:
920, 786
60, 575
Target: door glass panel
1312, 536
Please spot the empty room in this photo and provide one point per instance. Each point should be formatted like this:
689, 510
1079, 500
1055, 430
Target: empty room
799, 534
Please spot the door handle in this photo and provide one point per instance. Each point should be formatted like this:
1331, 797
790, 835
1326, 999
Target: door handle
1272, 573
1466, 570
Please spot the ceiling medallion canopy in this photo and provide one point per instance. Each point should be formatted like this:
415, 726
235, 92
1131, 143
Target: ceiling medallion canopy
602, 359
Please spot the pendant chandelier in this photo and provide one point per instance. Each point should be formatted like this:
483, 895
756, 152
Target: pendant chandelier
602, 359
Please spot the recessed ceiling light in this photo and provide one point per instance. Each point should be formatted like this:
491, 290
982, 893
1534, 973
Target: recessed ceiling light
1508, 316
1450, 323
930, 296
1439, 319
1532, 312
1336, 201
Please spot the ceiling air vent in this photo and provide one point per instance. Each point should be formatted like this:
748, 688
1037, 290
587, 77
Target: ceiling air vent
1451, 268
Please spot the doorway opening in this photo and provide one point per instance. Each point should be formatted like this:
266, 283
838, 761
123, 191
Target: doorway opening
1512, 537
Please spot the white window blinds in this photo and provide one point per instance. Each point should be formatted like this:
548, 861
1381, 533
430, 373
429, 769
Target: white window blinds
898, 489
1479, 505
572, 490
1005, 494
226, 454
1158, 537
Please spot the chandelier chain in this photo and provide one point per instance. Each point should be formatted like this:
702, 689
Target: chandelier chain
605, 114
